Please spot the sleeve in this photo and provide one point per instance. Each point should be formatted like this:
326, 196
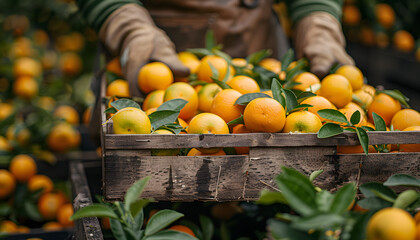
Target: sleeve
95, 12
299, 9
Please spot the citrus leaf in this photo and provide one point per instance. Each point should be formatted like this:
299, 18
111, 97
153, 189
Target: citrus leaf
402, 180
32, 211
363, 139
373, 203
214, 72
300, 107
198, 82
161, 118
268, 197
379, 122
173, 105
246, 98
287, 59
303, 95
239, 120
94, 210
333, 115
223, 55
324, 200
256, 57
207, 227
169, 234
134, 191
160, 220
368, 128
200, 52
210, 40
282, 230
291, 100
355, 117
343, 198
396, 94
315, 174
318, 221
124, 103
221, 84
329, 130
377, 189
276, 90
406, 198
110, 110
117, 229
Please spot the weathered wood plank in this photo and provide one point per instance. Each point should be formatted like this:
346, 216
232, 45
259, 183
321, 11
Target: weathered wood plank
178, 178
162, 141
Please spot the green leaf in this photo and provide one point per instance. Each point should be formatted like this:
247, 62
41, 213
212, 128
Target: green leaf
110, 110
291, 100
223, 55
256, 57
379, 122
363, 139
373, 203
161, 220
94, 210
246, 98
396, 94
368, 128
300, 107
138, 220
207, 227
333, 115
304, 95
161, 118
5, 209
276, 90
324, 200
210, 39
214, 72
117, 229
200, 52
31, 209
402, 180
138, 205
287, 59
329, 130
318, 221
315, 174
170, 235
406, 198
343, 198
372, 189
281, 230
124, 103
129, 233
355, 117
297, 190
268, 197
133, 193
173, 105
239, 120
221, 84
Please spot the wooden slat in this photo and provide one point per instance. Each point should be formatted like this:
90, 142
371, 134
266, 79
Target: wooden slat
161, 141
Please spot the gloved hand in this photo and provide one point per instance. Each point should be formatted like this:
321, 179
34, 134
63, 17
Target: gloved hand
319, 37
130, 32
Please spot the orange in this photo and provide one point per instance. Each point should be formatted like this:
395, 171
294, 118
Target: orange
204, 72
153, 100
26, 66
64, 213
21, 47
382, 39
350, 149
223, 105
367, 36
131, 120
405, 118
23, 167
385, 15
269, 93
307, 81
164, 152
7, 183
318, 103
40, 181
353, 74
337, 89
410, 147
184, 91
264, 115
25, 87
351, 15
150, 111
404, 41
271, 64
87, 115
154, 76
385, 106
196, 152
41, 38
118, 88
114, 66
22, 136
391, 223
244, 84
4, 144
240, 128
105, 223
182, 228
68, 113
52, 226
189, 60
183, 123
242, 63
70, 63
417, 217
49, 204
364, 96
46, 103
302, 122
63, 137
6, 110
206, 96
7, 226
351, 108
4, 84
23, 229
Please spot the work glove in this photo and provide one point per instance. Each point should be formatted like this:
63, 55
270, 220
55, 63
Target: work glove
130, 32
319, 37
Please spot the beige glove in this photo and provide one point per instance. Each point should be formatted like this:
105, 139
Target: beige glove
130, 32
319, 37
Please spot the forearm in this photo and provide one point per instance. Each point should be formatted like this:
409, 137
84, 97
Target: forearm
299, 9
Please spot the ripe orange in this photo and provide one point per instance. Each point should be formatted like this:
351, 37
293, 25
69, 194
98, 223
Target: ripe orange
417, 217
308, 81
184, 91
114, 66
46, 103
68, 113
64, 213
118, 88
350, 149
385, 15
22, 136
131, 120
23, 167
26, 66
385, 106
223, 105
391, 223
196, 152
182, 228
353, 74
25, 87
351, 15
153, 100
404, 41
41, 38
337, 89
40, 181
23, 229
52, 226
7, 183
302, 122
318, 103
63, 137
164, 152
264, 115
21, 47
7, 226
243, 84
49, 60
189, 60
241, 62
204, 71
405, 118
240, 128
87, 115
154, 76
364, 96
351, 108
70, 63
4, 144
271, 64
48, 205
6, 109
206, 96
269, 93
410, 147
150, 111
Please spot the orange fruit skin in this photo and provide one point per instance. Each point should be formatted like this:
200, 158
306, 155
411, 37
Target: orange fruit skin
410, 147
365, 95
48, 205
184, 91
118, 88
23, 167
204, 72
243, 84
417, 217
318, 103
63, 137
4, 144
196, 152
52, 226
7, 183
131, 120
353, 74
391, 223
114, 66
271, 64
405, 118
26, 66
240, 128
22, 137
264, 115
385, 106
40, 181
25, 87
63, 215
337, 89
182, 228
302, 122
224, 105
189, 60
6, 110
87, 115
154, 76
70, 63
349, 149
206, 96
306, 79
404, 41
351, 15
7, 226
67, 113
385, 15
47, 103
153, 100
